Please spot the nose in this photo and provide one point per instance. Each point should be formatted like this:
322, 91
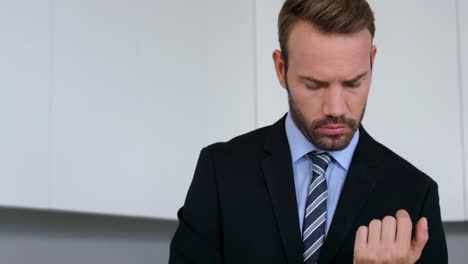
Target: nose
334, 102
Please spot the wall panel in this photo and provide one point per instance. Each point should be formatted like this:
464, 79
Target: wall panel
25, 91
141, 87
463, 63
272, 102
414, 106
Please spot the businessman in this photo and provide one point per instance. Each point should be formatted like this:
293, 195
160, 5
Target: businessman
314, 187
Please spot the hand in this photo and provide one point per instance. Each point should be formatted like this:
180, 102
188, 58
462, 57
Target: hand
389, 240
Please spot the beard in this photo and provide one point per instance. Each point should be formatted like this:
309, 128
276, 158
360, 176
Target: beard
310, 129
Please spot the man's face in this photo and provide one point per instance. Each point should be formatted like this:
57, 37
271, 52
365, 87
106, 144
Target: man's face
327, 80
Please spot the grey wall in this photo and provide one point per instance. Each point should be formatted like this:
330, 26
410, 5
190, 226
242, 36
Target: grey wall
57, 238
65, 238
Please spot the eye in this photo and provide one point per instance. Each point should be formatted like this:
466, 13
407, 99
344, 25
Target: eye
352, 85
313, 87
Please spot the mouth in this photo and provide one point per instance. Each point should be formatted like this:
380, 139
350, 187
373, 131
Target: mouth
332, 130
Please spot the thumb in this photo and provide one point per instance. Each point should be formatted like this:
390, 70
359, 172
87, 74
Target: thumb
421, 235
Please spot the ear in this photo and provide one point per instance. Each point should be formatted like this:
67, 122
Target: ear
373, 54
279, 67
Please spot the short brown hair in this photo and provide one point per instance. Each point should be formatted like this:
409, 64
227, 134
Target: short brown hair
329, 16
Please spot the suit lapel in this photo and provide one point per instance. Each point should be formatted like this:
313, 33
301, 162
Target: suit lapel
278, 172
357, 188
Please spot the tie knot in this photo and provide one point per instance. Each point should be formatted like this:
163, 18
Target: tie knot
321, 159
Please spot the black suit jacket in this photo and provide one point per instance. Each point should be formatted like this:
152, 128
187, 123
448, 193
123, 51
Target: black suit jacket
241, 206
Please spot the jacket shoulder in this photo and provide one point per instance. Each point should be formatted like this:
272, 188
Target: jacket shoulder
249, 142
396, 163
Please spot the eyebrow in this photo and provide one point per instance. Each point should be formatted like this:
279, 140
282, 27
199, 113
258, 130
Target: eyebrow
357, 78
320, 82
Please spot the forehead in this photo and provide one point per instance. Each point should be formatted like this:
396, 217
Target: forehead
311, 51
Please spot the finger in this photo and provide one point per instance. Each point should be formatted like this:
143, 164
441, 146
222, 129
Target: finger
388, 230
404, 228
421, 235
361, 239
375, 227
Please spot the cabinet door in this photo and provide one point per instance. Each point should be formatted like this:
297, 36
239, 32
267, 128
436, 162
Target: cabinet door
414, 106
25, 68
141, 86
463, 49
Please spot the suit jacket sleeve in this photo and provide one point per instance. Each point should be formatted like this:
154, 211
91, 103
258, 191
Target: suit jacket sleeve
197, 239
435, 250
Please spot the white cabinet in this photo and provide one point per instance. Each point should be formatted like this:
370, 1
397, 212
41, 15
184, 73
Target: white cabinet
24, 102
140, 88
463, 59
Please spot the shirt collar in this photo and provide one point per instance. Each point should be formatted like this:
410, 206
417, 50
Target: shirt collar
299, 145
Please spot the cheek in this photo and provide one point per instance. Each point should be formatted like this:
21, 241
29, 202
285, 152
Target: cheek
356, 102
308, 103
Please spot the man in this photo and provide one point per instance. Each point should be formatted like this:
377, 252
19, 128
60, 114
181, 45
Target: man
313, 187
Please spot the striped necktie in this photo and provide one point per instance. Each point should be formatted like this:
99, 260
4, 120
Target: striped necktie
313, 230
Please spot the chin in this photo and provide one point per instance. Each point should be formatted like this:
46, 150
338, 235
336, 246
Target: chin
332, 143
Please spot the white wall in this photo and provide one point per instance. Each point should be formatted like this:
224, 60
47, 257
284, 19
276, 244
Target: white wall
106, 104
